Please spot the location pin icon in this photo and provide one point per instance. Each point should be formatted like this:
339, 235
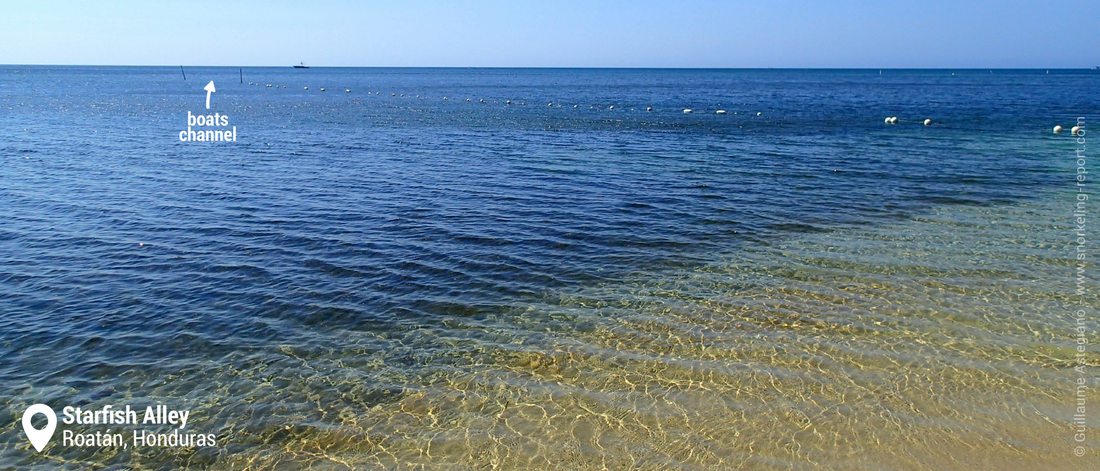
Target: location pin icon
39, 437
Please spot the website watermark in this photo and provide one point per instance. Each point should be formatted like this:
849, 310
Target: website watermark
1081, 295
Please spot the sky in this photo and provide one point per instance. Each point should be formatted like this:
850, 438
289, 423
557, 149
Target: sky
554, 33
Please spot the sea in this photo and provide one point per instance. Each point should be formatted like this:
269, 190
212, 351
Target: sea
420, 268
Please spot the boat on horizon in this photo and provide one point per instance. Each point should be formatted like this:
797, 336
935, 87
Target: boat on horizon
301, 65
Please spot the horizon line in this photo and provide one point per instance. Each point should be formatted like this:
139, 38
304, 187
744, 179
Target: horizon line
563, 67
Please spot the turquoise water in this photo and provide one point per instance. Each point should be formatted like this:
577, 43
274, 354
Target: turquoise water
526, 269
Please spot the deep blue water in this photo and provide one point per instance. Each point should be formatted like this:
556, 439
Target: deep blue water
408, 201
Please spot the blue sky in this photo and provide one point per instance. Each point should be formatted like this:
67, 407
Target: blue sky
552, 33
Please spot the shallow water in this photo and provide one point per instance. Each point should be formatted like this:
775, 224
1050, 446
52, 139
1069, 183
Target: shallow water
386, 278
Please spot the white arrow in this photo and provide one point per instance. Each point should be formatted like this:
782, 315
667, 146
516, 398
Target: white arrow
209, 89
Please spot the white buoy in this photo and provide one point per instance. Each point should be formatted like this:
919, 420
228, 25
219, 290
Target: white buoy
649, 108
1057, 129
550, 104
305, 87
927, 121
886, 120
611, 107
720, 112
322, 89
507, 102
760, 113
688, 111
347, 90
893, 120
1077, 130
